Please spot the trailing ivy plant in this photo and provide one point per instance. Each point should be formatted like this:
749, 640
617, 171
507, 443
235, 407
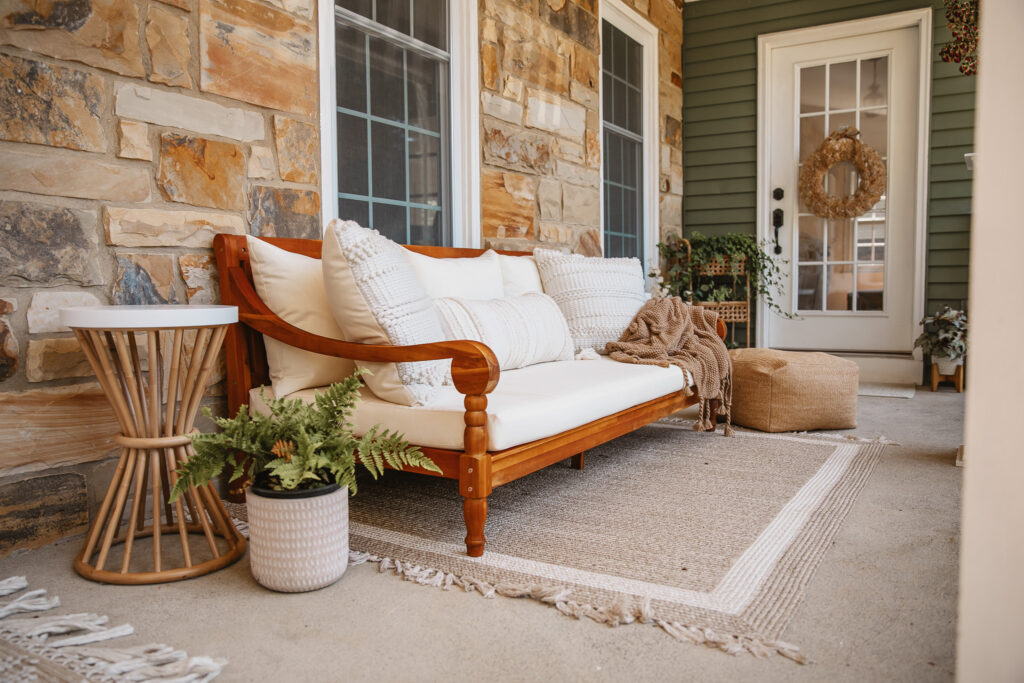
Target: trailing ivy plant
686, 277
298, 446
944, 334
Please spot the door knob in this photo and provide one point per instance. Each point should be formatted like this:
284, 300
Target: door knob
777, 218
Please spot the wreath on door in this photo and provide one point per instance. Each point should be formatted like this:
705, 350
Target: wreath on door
838, 147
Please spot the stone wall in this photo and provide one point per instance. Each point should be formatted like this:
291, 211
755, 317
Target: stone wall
132, 131
540, 69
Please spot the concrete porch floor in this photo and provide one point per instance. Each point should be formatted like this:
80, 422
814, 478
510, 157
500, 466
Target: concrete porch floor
882, 606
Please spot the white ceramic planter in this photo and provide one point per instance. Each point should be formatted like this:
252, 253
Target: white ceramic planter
947, 366
299, 542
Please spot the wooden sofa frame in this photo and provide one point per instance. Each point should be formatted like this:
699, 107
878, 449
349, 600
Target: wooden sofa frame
474, 373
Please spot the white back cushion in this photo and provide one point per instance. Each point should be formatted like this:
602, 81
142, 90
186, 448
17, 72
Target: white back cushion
292, 286
521, 330
519, 275
598, 296
377, 299
465, 278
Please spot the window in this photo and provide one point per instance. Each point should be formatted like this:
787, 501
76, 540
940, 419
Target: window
392, 83
629, 124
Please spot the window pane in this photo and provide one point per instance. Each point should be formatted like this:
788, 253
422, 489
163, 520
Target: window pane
394, 14
630, 163
425, 227
424, 169
389, 220
870, 287
840, 239
634, 60
874, 82
840, 288
842, 121
812, 89
811, 238
354, 210
842, 86
634, 106
424, 99
430, 22
873, 130
387, 98
351, 66
352, 155
812, 132
364, 7
809, 288
388, 161
607, 97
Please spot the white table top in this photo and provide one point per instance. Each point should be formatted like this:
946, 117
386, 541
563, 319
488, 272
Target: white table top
147, 317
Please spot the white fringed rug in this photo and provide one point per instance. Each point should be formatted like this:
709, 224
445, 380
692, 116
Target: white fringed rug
38, 645
712, 539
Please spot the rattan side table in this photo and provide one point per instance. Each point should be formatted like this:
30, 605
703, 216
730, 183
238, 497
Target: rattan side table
156, 408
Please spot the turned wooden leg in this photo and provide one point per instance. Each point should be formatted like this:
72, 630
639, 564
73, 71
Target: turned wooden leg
958, 379
935, 377
576, 462
474, 510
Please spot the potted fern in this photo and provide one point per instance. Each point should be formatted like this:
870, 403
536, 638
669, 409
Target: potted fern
301, 460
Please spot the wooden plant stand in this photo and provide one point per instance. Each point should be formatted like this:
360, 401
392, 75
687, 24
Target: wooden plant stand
957, 378
156, 414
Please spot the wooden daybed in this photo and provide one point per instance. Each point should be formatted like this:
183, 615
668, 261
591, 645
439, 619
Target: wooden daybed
475, 374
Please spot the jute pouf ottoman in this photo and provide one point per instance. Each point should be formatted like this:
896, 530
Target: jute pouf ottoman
787, 391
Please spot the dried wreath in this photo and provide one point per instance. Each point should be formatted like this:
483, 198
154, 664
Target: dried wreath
837, 147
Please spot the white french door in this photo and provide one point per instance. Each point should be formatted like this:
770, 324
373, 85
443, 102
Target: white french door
853, 284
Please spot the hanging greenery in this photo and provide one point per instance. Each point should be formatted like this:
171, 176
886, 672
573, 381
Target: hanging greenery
962, 21
690, 278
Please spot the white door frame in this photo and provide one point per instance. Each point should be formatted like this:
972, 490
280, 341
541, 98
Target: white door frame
766, 44
627, 20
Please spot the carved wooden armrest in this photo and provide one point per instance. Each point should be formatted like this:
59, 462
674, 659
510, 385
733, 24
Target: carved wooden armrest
474, 366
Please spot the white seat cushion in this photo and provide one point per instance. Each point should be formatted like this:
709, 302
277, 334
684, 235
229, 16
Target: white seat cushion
528, 404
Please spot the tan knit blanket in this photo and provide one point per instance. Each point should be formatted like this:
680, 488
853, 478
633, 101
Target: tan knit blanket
667, 331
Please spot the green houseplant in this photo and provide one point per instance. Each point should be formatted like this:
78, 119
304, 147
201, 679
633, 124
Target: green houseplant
944, 339
302, 460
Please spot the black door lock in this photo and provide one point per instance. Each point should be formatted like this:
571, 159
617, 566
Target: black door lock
777, 218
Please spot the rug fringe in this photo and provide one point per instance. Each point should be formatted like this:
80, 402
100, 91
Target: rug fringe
558, 597
75, 652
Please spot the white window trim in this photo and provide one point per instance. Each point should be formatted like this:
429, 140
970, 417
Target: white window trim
642, 31
465, 120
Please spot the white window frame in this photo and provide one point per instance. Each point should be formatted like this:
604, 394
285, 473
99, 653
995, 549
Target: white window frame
642, 31
465, 120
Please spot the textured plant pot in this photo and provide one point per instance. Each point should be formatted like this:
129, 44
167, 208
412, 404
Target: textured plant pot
298, 540
947, 366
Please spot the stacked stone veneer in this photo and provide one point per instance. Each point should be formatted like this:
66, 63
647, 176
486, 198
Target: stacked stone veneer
131, 132
540, 70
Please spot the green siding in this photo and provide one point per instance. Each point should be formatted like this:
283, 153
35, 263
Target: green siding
720, 124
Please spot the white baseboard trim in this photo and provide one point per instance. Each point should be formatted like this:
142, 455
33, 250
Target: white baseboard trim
887, 369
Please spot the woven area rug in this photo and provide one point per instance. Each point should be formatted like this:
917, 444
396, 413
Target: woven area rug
712, 539
40, 643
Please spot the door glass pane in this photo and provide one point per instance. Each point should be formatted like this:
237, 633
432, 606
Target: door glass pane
840, 288
842, 121
870, 287
811, 238
809, 288
842, 86
874, 129
812, 89
841, 180
812, 132
840, 239
874, 82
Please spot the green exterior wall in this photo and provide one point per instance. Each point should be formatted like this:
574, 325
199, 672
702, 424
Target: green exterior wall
720, 125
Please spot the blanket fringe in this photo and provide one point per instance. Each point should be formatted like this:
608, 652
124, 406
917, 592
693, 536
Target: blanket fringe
77, 652
558, 597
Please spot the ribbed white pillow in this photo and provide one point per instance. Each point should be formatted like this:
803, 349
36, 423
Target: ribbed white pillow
292, 286
597, 296
466, 278
521, 330
376, 299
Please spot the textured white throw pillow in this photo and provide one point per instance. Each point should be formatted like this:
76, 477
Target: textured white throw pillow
519, 275
521, 330
292, 286
597, 296
376, 299
466, 278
